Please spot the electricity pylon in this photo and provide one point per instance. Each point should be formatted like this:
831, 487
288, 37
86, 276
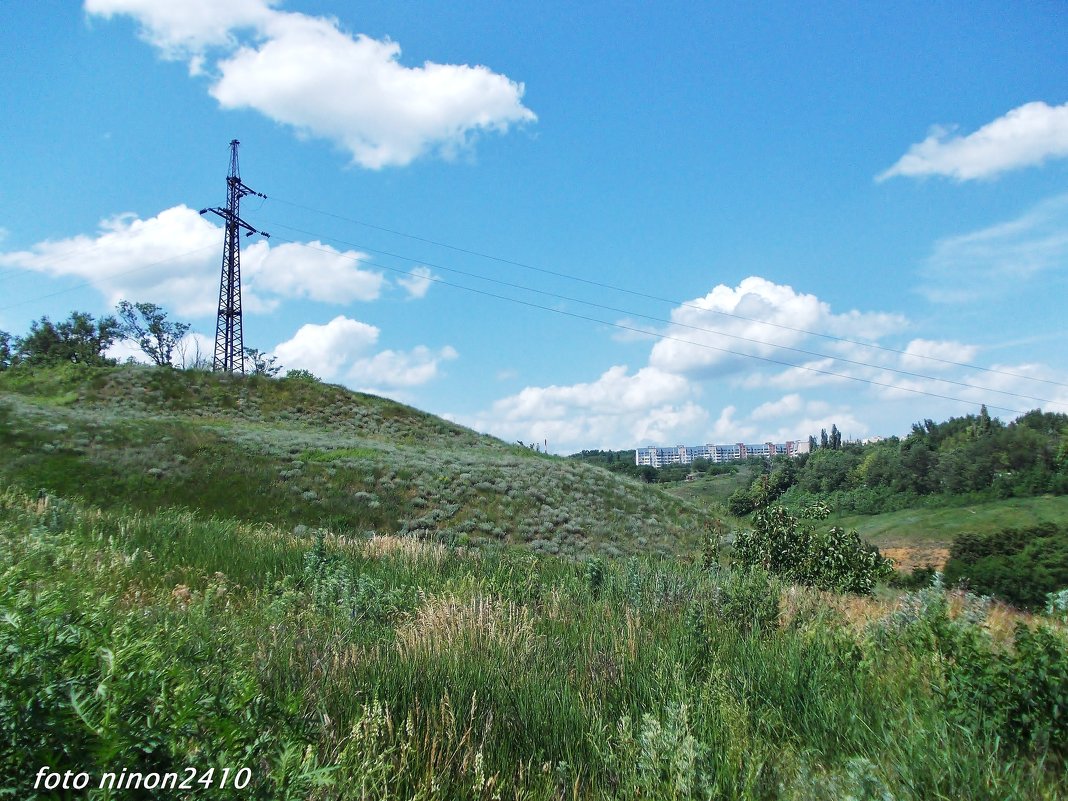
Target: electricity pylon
229, 337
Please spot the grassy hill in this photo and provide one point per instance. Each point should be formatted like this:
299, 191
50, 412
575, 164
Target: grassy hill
300, 453
173, 602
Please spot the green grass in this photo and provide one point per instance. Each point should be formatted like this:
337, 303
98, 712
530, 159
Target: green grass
301, 453
712, 491
172, 601
337, 670
938, 527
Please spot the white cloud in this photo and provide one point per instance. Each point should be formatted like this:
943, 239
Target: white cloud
929, 355
788, 404
417, 282
305, 72
174, 259
710, 336
615, 392
617, 408
185, 29
660, 403
393, 369
1026, 136
342, 350
327, 349
314, 271
996, 261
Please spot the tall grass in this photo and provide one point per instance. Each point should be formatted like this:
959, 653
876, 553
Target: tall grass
354, 668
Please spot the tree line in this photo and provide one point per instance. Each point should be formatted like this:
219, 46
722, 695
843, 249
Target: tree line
975, 456
83, 339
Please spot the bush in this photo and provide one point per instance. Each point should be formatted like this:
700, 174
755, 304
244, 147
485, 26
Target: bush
748, 599
832, 560
1020, 566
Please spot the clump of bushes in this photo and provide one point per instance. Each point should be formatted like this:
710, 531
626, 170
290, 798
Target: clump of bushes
791, 547
1021, 566
1013, 693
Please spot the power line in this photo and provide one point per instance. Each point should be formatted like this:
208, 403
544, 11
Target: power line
661, 335
646, 332
648, 296
652, 318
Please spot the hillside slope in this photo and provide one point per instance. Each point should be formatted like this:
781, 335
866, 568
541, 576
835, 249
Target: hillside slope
294, 452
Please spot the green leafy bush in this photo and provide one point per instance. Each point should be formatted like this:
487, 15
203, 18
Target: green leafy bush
748, 599
790, 547
1020, 566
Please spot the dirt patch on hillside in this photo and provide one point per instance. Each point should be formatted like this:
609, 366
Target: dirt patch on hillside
908, 558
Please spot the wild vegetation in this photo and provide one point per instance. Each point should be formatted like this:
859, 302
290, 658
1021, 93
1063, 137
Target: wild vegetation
352, 599
373, 667
294, 451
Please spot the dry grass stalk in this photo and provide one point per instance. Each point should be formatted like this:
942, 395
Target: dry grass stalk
382, 546
446, 623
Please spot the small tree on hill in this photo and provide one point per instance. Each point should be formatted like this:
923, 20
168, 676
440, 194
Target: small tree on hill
77, 340
261, 363
5, 350
789, 546
147, 325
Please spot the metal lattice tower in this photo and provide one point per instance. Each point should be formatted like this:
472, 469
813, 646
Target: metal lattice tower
229, 337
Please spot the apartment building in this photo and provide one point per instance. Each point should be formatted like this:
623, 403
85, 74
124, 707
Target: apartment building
684, 454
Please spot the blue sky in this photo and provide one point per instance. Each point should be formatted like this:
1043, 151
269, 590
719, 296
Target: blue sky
762, 183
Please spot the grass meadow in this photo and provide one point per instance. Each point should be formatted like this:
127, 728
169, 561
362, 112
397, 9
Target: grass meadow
391, 667
410, 651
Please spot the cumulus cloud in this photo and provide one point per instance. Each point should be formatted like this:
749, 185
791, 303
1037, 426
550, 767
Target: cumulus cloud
342, 350
307, 73
417, 282
186, 29
788, 404
313, 270
928, 354
174, 259
618, 407
391, 369
1024, 137
714, 334
327, 349
664, 402
999, 260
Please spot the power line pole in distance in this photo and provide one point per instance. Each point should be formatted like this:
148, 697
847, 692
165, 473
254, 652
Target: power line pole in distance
229, 337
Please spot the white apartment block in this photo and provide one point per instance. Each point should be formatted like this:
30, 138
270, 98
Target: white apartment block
684, 454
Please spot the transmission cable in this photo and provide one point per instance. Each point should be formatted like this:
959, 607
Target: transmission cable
652, 318
648, 296
659, 334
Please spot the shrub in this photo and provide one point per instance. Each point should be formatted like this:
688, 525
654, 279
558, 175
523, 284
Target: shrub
787, 546
1019, 565
748, 599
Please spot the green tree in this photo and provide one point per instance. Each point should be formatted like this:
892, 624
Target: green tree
836, 438
77, 340
147, 325
5, 350
789, 546
261, 363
